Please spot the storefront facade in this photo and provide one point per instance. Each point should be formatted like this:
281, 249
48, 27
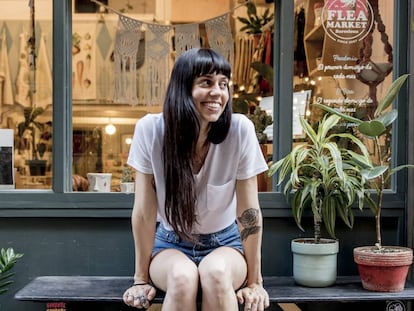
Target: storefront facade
63, 231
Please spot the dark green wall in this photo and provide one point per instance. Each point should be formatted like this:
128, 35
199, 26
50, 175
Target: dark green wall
104, 246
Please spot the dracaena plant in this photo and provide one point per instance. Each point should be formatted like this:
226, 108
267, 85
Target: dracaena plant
322, 176
375, 129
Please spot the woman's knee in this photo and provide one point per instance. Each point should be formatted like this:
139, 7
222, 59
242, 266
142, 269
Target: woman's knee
216, 275
182, 281
222, 271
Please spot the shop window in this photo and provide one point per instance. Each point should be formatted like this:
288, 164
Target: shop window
343, 59
113, 87
26, 94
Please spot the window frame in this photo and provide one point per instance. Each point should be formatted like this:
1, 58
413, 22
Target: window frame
61, 202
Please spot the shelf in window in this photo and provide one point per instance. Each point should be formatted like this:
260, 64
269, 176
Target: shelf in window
316, 34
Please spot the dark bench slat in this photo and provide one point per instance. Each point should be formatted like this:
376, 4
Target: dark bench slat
346, 289
280, 289
78, 288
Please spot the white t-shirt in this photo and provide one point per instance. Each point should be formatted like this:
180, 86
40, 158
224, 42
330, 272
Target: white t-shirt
238, 157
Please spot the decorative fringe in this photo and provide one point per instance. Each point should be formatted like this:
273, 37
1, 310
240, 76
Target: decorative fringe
127, 40
157, 60
158, 52
220, 37
186, 37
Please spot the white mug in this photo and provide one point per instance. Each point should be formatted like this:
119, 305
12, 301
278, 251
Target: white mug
99, 182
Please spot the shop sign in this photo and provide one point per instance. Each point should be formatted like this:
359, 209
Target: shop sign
347, 21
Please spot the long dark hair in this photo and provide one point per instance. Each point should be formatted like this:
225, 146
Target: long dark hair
182, 129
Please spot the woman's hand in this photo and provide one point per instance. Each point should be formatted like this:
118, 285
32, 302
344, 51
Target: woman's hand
139, 296
254, 297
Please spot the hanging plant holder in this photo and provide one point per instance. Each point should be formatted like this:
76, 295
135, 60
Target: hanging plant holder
379, 70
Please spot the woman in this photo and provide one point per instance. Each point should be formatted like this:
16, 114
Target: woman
196, 166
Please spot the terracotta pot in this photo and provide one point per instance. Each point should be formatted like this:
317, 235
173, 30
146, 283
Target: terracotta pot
383, 271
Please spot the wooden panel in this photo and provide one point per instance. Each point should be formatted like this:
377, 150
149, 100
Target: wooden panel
195, 11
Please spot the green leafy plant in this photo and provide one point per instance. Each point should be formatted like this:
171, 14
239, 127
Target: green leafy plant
254, 23
8, 259
261, 120
127, 174
323, 176
374, 130
32, 125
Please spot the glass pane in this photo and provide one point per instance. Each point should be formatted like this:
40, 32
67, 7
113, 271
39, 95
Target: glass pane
253, 74
26, 95
343, 59
111, 93
103, 118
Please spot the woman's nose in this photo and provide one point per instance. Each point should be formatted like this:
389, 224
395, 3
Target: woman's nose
215, 90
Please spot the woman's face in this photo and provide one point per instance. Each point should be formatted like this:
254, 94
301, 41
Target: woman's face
210, 95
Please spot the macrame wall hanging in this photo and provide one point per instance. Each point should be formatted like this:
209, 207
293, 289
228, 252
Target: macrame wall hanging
220, 37
187, 37
157, 58
160, 42
380, 70
127, 39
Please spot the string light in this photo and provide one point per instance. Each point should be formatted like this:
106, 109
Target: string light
110, 129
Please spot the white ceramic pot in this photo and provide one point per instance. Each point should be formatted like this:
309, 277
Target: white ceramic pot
127, 187
315, 265
99, 182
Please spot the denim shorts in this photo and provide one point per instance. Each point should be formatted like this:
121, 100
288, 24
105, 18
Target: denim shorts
165, 239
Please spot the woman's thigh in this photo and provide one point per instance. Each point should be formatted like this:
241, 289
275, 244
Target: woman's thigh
226, 260
167, 264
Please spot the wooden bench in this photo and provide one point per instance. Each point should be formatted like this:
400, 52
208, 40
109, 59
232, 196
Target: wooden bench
109, 289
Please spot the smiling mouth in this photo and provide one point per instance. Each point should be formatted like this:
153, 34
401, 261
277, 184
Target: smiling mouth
212, 105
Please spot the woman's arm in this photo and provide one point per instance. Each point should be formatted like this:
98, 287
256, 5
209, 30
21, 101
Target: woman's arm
144, 217
250, 222
249, 219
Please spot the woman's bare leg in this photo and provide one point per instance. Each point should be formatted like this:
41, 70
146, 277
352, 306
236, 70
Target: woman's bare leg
221, 273
177, 275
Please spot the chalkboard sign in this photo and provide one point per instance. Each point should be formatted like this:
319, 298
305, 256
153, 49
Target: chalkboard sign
6, 159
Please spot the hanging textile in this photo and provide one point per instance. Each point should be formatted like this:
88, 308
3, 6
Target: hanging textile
6, 92
379, 70
300, 63
43, 77
245, 50
23, 75
159, 51
158, 64
127, 41
220, 37
186, 37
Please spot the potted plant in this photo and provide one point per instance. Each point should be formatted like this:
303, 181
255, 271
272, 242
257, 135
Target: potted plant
381, 268
321, 176
39, 141
253, 23
8, 259
127, 180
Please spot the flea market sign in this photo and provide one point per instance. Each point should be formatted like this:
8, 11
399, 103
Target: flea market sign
347, 21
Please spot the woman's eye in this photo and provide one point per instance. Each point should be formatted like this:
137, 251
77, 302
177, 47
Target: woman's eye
223, 85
